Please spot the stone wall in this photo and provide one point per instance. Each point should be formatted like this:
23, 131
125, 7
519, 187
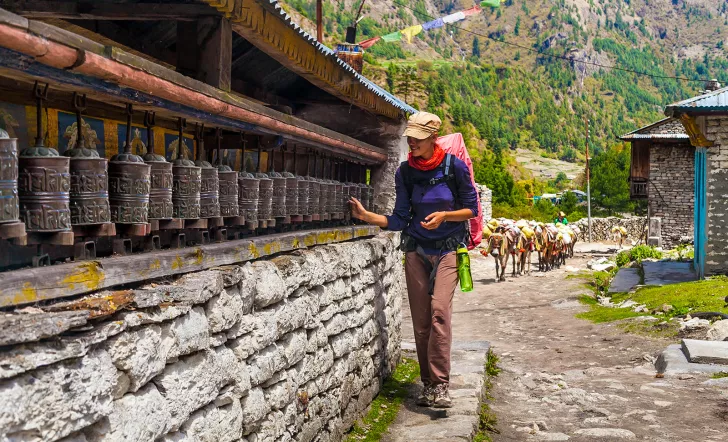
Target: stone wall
486, 201
717, 204
602, 228
286, 349
671, 191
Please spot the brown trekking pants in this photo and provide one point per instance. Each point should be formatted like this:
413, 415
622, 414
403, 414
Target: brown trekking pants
432, 315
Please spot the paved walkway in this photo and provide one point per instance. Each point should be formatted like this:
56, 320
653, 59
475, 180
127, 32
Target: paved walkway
565, 378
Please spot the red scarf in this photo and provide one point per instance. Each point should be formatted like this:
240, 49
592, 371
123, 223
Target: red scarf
420, 163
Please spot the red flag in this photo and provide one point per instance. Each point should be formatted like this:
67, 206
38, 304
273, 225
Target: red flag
366, 44
474, 10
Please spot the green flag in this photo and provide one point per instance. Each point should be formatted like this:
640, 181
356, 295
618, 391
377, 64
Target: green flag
394, 36
491, 3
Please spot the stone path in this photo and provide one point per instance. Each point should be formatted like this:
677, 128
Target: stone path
663, 273
415, 423
568, 379
625, 280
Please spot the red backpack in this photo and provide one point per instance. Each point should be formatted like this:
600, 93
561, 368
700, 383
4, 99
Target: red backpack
454, 146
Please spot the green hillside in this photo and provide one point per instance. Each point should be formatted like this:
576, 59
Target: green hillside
495, 76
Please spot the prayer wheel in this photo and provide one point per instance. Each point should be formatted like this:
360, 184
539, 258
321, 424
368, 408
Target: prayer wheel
363, 193
44, 182
160, 194
292, 208
210, 186
229, 205
89, 177
339, 199
279, 194
265, 197
186, 183
314, 198
303, 186
331, 199
248, 195
370, 197
129, 184
9, 204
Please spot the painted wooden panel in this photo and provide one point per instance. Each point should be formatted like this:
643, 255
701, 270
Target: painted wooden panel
701, 213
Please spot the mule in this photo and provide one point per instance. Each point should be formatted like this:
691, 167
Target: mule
498, 248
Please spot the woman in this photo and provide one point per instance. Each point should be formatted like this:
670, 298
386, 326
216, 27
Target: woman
435, 198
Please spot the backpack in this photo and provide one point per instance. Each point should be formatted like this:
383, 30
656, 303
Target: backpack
454, 145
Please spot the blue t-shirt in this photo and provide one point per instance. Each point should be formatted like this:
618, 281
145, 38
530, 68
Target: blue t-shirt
427, 199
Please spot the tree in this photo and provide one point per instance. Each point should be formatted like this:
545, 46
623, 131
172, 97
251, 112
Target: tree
517, 28
568, 202
609, 180
392, 74
476, 47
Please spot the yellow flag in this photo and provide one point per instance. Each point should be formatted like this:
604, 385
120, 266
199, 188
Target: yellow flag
410, 32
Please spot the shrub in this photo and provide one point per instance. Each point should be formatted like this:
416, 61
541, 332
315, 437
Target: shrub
643, 252
623, 258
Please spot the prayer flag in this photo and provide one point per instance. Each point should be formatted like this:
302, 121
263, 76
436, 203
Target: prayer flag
433, 24
452, 18
491, 3
394, 36
410, 32
366, 44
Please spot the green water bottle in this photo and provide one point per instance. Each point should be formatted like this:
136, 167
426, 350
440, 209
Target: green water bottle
463, 260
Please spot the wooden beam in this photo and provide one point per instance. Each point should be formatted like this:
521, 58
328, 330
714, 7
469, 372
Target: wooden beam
100, 10
204, 51
32, 285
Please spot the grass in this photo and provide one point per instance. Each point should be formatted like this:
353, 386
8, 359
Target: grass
487, 421
599, 314
385, 406
720, 375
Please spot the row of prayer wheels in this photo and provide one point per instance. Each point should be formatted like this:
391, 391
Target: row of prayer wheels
52, 193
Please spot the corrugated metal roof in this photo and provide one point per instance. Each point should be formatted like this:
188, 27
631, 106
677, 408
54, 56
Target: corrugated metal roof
665, 129
715, 101
388, 97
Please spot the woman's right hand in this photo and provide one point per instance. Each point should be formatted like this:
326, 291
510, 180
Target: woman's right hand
357, 210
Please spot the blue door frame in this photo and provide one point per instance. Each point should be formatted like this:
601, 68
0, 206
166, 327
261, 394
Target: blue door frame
701, 212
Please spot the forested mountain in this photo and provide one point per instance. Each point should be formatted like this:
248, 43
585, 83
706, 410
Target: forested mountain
510, 77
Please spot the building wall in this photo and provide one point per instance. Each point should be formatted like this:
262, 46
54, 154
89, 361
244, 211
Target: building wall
290, 348
602, 228
671, 196
717, 196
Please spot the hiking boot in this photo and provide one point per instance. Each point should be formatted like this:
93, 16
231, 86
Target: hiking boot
427, 397
442, 396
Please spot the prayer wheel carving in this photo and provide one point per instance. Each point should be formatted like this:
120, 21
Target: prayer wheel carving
331, 200
339, 199
129, 184
323, 207
160, 194
363, 195
44, 182
9, 204
314, 198
303, 195
229, 205
89, 177
249, 194
186, 183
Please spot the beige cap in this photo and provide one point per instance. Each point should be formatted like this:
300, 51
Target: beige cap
422, 125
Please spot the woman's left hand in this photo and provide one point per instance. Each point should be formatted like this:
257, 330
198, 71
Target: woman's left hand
433, 220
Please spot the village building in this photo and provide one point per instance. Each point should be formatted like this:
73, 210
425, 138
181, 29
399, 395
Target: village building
220, 327
662, 171
705, 120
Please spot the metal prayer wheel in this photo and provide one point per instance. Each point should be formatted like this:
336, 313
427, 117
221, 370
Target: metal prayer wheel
44, 181
355, 191
186, 183
9, 204
363, 193
229, 205
248, 195
279, 194
265, 197
210, 186
314, 197
129, 183
228, 183
345, 193
89, 177
292, 208
338, 207
331, 198
303, 187
160, 193
370, 197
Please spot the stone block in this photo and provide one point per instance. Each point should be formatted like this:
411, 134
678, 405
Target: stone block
139, 354
196, 380
139, 416
265, 363
186, 334
154, 315
719, 331
59, 400
224, 310
254, 408
279, 395
293, 270
269, 285
705, 352
215, 424
28, 327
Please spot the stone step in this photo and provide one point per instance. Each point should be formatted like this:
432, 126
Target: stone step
705, 352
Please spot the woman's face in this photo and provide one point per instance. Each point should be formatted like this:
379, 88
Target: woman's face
421, 148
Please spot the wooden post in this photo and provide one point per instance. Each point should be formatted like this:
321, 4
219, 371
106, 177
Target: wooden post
319, 21
204, 50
